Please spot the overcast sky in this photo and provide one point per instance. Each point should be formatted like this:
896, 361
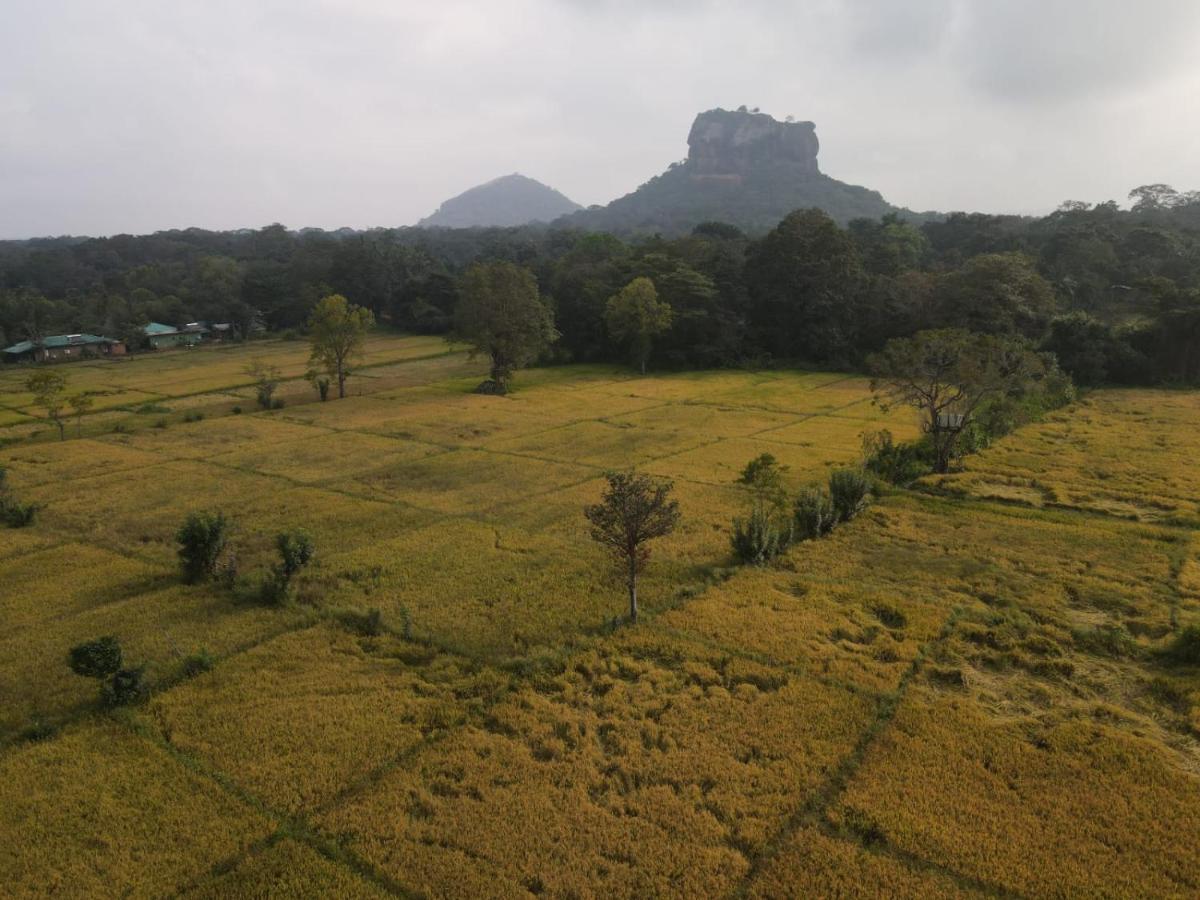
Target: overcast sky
126, 116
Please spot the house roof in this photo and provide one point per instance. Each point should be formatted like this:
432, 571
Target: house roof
159, 328
55, 341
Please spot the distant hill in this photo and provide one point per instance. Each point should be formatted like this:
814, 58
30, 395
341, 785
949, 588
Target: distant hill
745, 168
510, 200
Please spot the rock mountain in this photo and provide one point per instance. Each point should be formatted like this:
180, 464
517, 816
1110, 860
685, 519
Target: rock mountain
510, 200
745, 168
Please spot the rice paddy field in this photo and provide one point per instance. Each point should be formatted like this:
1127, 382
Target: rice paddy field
962, 693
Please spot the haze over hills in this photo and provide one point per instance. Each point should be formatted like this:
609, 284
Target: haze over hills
745, 168
508, 200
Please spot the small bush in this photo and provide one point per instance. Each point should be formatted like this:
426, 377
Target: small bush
760, 538
764, 476
96, 659
890, 616
201, 539
197, 664
813, 514
161, 423
278, 403
373, 623
15, 514
193, 417
125, 687
1184, 650
848, 489
237, 410
295, 552
896, 463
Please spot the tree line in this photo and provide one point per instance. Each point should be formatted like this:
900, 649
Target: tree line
1114, 293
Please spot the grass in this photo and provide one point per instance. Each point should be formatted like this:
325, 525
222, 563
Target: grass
969, 690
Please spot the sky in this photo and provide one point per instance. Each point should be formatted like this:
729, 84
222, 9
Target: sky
132, 116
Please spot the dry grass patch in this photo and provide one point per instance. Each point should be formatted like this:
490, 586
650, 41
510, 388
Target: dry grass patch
64, 461
468, 482
302, 717
98, 812
285, 870
813, 864
158, 629
645, 767
1060, 805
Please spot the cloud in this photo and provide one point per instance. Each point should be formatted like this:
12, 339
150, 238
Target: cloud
138, 115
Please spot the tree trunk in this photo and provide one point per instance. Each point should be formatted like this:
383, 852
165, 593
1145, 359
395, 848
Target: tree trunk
62, 429
633, 610
341, 383
643, 365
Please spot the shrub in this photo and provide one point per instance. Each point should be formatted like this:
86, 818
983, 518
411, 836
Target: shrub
237, 410
101, 659
201, 539
96, 659
760, 538
193, 417
295, 552
848, 490
197, 664
15, 514
1185, 649
764, 476
125, 687
813, 514
896, 463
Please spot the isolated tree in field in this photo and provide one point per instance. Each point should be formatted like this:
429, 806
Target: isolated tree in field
81, 405
295, 552
634, 510
501, 313
266, 380
635, 316
201, 539
337, 330
48, 388
947, 374
764, 476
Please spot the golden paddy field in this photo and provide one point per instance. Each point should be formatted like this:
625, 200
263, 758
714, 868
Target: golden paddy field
920, 705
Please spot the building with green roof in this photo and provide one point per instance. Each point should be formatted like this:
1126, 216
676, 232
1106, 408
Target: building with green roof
62, 347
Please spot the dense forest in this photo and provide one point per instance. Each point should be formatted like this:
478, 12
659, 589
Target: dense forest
1114, 293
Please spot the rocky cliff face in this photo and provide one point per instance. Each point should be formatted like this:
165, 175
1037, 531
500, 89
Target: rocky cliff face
724, 143
743, 168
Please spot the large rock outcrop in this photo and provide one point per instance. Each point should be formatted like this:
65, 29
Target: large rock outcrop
735, 143
745, 168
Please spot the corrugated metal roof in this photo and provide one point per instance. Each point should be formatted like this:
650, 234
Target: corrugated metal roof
55, 341
159, 328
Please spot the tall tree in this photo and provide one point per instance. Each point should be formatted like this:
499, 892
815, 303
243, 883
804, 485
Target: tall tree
635, 316
634, 510
947, 374
337, 330
501, 313
805, 279
48, 388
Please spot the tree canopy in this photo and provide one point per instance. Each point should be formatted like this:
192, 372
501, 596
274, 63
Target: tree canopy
501, 314
635, 316
337, 331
